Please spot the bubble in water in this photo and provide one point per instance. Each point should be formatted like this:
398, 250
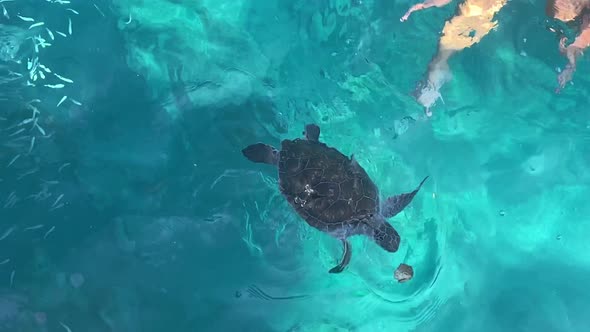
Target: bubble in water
76, 280
40, 318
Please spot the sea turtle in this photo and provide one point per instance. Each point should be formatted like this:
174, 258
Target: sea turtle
331, 191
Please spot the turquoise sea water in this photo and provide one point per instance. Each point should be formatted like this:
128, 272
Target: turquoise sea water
129, 206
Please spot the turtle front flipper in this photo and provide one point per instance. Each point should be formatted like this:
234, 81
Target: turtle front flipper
347, 252
312, 132
261, 153
395, 204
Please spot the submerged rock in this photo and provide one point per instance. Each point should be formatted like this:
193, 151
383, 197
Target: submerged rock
403, 273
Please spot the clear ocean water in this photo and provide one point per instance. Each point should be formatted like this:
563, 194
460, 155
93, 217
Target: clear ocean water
126, 204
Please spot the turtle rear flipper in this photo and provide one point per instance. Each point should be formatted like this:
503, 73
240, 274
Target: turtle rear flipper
346, 254
395, 204
261, 153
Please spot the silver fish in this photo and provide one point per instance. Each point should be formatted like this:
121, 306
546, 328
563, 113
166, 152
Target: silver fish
34, 25
7, 233
62, 100
26, 19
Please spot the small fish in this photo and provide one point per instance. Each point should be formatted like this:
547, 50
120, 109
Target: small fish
5, 12
32, 228
69, 26
65, 327
49, 232
57, 207
32, 144
25, 121
62, 167
100, 11
34, 25
10, 202
61, 33
57, 200
12, 73
20, 138
26, 19
12, 277
41, 130
76, 102
40, 196
62, 100
5, 261
50, 33
7, 233
55, 86
47, 70
73, 11
65, 79
12, 161
33, 171
40, 41
17, 132
42, 75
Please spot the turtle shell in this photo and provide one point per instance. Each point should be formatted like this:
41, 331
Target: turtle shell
325, 187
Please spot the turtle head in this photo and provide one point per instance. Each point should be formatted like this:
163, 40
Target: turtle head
312, 132
386, 236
